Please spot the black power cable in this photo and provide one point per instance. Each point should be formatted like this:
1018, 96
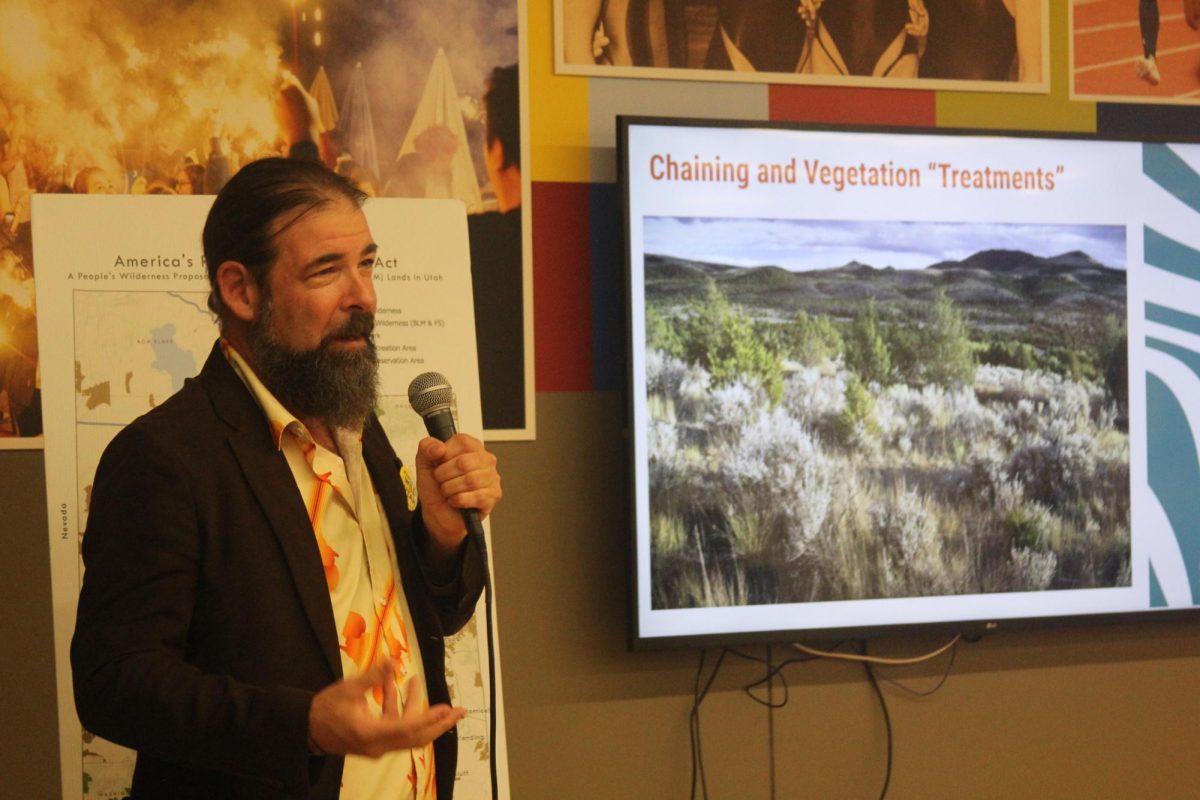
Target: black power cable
698, 696
887, 720
775, 672
771, 721
927, 692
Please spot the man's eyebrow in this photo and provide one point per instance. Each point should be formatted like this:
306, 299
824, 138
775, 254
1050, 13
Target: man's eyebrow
331, 258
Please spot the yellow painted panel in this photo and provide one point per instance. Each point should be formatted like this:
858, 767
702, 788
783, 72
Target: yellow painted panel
558, 106
1050, 112
555, 163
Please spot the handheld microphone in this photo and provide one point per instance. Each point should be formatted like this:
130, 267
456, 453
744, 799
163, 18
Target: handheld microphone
430, 395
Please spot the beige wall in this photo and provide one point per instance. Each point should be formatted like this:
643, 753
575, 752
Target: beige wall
1096, 712
28, 706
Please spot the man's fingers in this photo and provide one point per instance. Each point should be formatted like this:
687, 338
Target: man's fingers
440, 719
377, 681
390, 697
412, 699
425, 726
459, 444
380, 672
469, 473
353, 728
431, 451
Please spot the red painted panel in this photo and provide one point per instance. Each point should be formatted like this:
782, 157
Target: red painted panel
856, 106
562, 287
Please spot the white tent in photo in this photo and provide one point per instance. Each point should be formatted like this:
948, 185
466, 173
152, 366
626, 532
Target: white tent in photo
437, 133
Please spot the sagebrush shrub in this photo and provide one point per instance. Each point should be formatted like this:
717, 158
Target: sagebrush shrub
773, 475
908, 530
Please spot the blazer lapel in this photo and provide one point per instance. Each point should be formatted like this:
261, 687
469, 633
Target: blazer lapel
270, 479
384, 467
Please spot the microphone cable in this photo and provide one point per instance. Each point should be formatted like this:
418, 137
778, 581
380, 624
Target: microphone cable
491, 663
430, 395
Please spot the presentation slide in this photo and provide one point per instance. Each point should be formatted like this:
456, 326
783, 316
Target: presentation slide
885, 378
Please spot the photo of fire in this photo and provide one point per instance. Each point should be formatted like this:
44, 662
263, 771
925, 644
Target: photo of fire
174, 96
18, 347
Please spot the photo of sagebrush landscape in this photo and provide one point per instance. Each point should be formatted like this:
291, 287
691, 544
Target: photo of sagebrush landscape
847, 410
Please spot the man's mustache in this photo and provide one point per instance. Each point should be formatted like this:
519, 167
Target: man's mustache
359, 324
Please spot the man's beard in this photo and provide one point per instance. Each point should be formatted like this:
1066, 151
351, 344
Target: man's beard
338, 387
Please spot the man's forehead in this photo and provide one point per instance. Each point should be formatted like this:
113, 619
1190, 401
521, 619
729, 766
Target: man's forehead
334, 216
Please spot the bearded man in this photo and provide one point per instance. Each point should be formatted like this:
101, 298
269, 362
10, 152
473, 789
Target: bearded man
265, 600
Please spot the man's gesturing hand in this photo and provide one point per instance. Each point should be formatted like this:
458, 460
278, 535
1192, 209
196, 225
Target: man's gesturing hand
341, 722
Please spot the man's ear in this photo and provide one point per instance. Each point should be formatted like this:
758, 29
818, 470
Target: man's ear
239, 290
493, 154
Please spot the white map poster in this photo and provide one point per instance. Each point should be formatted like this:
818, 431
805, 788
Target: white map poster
122, 308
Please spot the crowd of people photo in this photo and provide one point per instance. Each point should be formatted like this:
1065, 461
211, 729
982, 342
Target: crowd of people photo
33, 163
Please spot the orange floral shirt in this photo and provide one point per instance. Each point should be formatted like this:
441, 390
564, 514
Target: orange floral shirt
370, 610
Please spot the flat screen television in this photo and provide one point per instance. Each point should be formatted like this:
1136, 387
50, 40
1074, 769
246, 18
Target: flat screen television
889, 380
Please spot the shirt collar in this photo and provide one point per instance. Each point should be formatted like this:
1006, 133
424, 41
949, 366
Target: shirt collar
278, 417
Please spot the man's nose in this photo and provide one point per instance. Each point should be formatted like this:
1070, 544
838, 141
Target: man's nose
361, 293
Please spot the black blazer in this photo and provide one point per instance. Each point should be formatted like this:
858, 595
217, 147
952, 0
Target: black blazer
205, 626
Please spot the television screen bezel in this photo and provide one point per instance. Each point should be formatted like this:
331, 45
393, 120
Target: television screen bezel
964, 627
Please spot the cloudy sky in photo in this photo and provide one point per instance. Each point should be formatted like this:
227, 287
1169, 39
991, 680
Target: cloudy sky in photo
800, 245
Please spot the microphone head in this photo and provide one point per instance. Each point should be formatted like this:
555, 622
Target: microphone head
429, 392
